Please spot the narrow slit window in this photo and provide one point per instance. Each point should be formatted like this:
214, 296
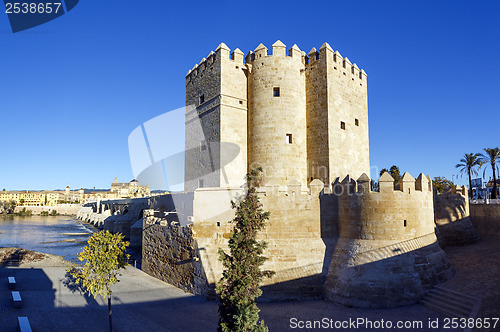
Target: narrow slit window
200, 183
276, 92
356, 122
342, 125
404, 223
202, 99
288, 138
203, 145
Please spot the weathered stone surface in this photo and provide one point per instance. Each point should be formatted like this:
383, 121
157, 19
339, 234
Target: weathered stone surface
486, 218
169, 254
451, 215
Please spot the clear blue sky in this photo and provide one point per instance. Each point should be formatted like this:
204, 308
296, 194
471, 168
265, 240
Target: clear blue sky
72, 90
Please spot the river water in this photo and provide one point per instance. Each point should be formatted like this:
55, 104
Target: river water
59, 235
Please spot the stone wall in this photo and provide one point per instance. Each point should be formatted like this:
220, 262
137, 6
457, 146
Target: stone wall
387, 253
486, 218
63, 209
299, 250
451, 215
169, 254
387, 235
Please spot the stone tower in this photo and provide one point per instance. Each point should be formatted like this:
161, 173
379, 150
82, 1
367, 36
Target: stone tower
277, 114
387, 254
337, 116
301, 117
216, 127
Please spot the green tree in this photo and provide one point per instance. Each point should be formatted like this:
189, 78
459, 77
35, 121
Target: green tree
104, 256
468, 164
394, 171
239, 286
383, 170
492, 157
440, 183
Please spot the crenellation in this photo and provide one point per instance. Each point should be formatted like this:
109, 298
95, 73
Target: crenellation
363, 184
406, 183
422, 183
260, 51
237, 56
313, 55
346, 63
223, 51
249, 57
295, 52
279, 49
337, 57
355, 70
386, 183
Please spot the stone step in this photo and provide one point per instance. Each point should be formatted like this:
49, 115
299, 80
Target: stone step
440, 309
449, 291
451, 303
450, 306
465, 301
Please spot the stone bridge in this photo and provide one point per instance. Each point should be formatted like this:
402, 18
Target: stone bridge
117, 216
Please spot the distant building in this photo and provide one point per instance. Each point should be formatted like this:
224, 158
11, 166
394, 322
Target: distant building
130, 189
489, 187
42, 198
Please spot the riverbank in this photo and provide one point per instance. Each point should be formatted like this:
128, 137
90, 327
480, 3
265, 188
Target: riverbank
29, 258
60, 209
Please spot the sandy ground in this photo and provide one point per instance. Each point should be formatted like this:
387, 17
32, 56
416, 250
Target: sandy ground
28, 258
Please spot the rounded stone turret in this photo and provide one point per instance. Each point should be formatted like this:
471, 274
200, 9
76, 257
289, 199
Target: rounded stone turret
277, 114
387, 254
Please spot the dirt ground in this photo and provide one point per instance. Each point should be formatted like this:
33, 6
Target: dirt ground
28, 258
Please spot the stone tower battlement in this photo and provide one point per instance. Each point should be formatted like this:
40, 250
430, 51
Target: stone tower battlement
400, 212
299, 116
387, 254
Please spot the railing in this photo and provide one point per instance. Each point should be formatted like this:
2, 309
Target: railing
485, 201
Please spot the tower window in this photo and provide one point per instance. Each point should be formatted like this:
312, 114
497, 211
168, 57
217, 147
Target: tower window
202, 99
356, 122
342, 125
200, 183
288, 138
203, 145
404, 223
276, 92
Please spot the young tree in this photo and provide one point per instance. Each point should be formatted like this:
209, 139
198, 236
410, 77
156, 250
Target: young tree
239, 286
492, 156
103, 256
468, 164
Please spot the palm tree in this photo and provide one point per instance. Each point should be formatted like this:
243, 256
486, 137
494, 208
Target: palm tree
383, 170
492, 156
468, 164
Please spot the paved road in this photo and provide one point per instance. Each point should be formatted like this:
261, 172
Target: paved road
143, 303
